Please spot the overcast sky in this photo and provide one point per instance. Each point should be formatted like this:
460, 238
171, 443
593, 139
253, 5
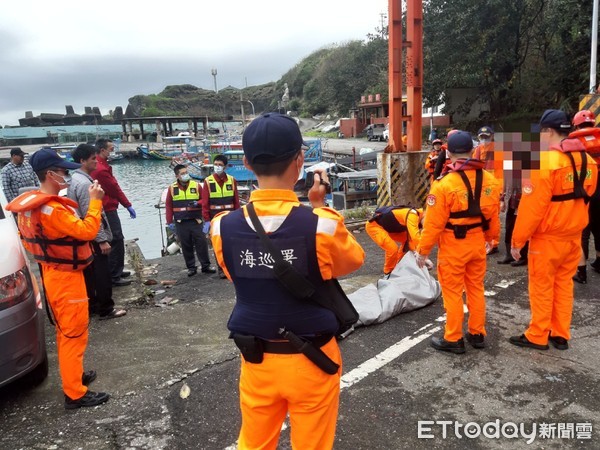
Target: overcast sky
58, 53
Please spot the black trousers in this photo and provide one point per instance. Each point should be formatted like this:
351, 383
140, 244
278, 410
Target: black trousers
593, 228
511, 219
192, 238
117, 253
98, 283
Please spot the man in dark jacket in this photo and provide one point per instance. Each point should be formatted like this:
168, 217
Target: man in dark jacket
113, 196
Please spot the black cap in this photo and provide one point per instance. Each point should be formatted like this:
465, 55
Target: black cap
556, 119
271, 137
485, 131
45, 158
17, 152
460, 142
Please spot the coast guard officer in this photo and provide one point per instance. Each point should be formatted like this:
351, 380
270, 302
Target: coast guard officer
275, 378
462, 218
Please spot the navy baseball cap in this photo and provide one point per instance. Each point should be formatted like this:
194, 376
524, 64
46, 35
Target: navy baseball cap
270, 138
556, 119
486, 131
17, 151
460, 142
45, 158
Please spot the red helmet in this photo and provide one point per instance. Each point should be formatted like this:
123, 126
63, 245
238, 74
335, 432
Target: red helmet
584, 116
437, 141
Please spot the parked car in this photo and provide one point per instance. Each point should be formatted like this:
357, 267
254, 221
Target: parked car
375, 131
22, 340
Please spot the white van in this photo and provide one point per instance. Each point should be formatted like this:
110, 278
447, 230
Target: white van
22, 340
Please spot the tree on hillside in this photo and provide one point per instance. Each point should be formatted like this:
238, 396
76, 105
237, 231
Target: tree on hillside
333, 79
521, 55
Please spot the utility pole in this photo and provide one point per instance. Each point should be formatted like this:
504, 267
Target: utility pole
242, 108
594, 48
383, 17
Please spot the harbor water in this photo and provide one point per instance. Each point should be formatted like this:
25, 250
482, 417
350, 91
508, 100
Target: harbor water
143, 182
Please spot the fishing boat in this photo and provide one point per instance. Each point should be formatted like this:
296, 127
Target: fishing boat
64, 150
115, 156
353, 189
172, 146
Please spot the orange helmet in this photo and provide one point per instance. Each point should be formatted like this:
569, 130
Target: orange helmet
584, 116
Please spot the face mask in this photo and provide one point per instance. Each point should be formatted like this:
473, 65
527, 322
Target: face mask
219, 170
185, 177
66, 180
484, 140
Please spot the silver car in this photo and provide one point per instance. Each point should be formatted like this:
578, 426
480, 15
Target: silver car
22, 340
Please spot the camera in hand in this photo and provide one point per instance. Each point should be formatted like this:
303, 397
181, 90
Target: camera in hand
310, 181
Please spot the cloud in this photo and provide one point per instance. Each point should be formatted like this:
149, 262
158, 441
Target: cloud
102, 54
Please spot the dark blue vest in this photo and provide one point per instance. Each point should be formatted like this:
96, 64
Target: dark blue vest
263, 305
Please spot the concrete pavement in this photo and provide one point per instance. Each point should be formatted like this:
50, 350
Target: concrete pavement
392, 380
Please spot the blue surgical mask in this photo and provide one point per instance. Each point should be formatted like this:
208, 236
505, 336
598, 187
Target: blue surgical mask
185, 177
219, 170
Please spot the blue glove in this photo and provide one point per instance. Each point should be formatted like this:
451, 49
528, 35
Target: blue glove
171, 227
206, 227
131, 212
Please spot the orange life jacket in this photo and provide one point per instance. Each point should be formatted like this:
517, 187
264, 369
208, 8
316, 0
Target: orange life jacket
65, 253
590, 138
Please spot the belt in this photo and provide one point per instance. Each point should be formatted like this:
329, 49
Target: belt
186, 209
286, 348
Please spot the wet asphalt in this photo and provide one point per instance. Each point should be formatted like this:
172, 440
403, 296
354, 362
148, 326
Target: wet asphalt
178, 338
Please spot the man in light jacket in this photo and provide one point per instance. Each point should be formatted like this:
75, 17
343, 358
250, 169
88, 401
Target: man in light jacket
97, 275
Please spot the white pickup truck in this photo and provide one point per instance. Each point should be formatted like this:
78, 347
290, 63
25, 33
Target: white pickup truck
375, 132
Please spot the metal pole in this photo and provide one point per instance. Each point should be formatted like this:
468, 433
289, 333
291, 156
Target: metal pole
252, 104
594, 47
242, 107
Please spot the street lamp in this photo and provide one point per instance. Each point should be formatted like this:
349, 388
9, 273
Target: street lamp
251, 104
213, 72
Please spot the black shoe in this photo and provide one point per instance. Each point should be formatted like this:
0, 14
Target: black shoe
522, 341
439, 343
519, 263
476, 340
581, 275
88, 377
125, 274
493, 250
596, 265
113, 314
121, 282
559, 342
209, 269
192, 272
89, 399
579, 279
507, 260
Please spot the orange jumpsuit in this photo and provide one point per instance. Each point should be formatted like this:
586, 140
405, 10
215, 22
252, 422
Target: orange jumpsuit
291, 383
65, 290
461, 263
393, 243
493, 163
431, 161
553, 229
